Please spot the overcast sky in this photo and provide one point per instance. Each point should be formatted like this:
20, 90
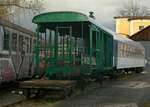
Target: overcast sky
105, 10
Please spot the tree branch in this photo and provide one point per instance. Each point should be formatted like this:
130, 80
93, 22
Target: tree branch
17, 5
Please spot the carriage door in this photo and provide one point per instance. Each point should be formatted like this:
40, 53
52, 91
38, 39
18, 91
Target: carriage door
98, 51
95, 49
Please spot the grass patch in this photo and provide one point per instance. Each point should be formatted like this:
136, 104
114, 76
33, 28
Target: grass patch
146, 104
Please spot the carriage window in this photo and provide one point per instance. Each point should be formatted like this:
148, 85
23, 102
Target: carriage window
125, 50
14, 41
6, 40
30, 45
120, 49
34, 45
27, 44
20, 43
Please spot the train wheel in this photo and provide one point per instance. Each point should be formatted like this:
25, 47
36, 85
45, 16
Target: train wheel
82, 83
113, 75
70, 92
26, 93
67, 92
100, 78
139, 70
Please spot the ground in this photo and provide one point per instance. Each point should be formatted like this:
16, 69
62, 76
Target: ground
128, 91
131, 92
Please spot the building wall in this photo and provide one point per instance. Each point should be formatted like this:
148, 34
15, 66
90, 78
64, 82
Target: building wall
123, 27
146, 45
134, 25
127, 27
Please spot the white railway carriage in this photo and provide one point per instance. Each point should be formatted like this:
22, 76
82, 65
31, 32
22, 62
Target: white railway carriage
127, 54
17, 47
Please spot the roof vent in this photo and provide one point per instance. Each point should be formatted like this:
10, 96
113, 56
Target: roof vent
92, 15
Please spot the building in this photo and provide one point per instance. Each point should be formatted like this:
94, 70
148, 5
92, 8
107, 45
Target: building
143, 37
127, 26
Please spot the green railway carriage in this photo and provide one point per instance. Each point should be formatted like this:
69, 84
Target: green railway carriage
74, 45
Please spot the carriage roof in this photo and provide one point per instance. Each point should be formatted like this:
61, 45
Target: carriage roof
70, 16
16, 27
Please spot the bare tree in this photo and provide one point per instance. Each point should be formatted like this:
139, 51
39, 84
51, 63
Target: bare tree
13, 7
134, 8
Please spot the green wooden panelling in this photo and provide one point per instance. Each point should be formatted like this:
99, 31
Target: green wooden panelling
60, 17
50, 40
56, 46
102, 52
70, 46
63, 50
91, 49
37, 47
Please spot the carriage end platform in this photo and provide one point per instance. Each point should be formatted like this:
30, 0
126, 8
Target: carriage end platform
37, 86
